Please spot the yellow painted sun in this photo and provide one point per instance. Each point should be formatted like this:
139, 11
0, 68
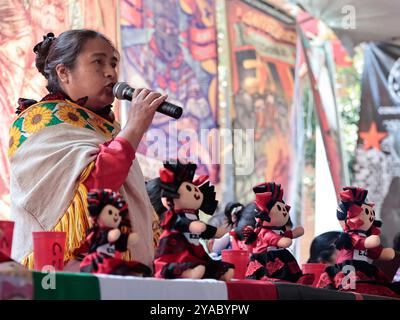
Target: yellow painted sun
36, 119
15, 137
70, 115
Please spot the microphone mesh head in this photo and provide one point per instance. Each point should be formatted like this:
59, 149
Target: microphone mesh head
119, 88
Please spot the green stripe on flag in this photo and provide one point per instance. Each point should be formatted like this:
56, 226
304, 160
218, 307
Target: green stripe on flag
66, 286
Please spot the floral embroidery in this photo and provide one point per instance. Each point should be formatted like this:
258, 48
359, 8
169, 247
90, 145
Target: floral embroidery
70, 115
15, 140
49, 113
36, 119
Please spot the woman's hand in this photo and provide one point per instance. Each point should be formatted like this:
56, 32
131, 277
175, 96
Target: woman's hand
143, 107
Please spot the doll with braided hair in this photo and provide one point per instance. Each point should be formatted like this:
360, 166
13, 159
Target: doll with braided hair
180, 253
107, 238
359, 245
270, 238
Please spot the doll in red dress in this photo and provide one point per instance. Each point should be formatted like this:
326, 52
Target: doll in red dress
106, 240
359, 245
270, 260
179, 253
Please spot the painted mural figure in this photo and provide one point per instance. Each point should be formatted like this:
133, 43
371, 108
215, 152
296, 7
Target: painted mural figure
163, 59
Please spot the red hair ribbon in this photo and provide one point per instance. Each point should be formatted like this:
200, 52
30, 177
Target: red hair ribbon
262, 200
354, 211
353, 194
166, 175
200, 180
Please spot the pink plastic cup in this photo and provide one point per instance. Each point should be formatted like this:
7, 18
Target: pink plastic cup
239, 258
316, 269
48, 249
6, 236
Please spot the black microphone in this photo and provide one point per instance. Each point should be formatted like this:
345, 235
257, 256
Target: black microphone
124, 91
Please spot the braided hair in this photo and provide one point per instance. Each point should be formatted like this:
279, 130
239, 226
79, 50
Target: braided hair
174, 173
267, 195
350, 206
63, 49
233, 208
153, 188
323, 247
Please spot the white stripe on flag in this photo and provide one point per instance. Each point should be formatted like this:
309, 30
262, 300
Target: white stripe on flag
125, 288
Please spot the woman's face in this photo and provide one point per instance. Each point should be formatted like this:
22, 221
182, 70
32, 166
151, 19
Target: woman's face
93, 75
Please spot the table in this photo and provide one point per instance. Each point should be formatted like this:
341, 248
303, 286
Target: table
109, 287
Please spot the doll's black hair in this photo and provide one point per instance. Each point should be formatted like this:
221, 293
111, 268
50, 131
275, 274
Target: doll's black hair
323, 246
276, 195
99, 198
181, 173
252, 211
352, 196
153, 188
184, 172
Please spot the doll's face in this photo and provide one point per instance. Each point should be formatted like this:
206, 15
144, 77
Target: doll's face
367, 216
109, 217
279, 215
190, 197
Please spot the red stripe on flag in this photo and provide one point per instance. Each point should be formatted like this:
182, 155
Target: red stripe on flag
251, 290
358, 296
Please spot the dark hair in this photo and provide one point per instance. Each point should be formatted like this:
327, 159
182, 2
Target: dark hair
323, 246
267, 195
99, 198
396, 242
153, 188
175, 173
229, 208
217, 219
352, 196
62, 50
247, 218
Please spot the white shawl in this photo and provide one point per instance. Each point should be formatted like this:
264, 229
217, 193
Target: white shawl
44, 173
